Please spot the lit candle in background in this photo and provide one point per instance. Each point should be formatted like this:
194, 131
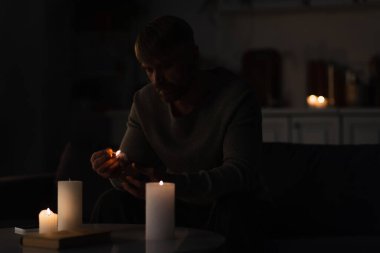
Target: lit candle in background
316, 102
321, 102
47, 221
311, 100
69, 204
159, 218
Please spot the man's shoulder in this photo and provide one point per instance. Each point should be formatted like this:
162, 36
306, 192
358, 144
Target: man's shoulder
145, 93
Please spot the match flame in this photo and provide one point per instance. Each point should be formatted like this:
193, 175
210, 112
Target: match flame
161, 183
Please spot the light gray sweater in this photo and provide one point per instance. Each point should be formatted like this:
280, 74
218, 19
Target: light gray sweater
214, 150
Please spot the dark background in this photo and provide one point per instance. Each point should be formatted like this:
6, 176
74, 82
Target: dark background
64, 60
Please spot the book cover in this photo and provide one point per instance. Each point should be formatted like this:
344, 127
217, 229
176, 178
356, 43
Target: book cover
66, 239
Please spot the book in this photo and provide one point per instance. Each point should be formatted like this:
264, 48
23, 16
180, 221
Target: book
66, 239
25, 230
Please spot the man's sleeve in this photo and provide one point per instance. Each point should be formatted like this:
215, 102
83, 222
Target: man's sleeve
135, 145
242, 149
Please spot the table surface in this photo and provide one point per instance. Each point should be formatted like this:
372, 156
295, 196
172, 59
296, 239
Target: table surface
126, 238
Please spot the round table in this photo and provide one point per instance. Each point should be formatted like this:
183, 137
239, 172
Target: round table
126, 238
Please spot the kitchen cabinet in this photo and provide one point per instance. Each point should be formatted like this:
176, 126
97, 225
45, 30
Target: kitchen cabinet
315, 129
322, 126
276, 129
361, 128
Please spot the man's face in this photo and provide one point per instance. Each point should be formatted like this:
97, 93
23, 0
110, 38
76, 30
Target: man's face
171, 75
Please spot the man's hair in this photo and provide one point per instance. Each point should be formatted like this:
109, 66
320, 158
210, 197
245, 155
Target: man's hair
161, 35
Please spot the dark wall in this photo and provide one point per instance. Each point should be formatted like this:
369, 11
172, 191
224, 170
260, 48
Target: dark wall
22, 75
60, 59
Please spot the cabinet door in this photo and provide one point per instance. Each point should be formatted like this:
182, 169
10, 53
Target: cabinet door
315, 130
361, 130
275, 129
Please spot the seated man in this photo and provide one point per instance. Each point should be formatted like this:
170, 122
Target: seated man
197, 128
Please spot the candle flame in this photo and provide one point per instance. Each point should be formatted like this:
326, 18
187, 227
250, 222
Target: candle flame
321, 99
161, 183
48, 212
311, 99
317, 101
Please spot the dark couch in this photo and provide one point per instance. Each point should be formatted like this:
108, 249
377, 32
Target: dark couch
324, 189
320, 190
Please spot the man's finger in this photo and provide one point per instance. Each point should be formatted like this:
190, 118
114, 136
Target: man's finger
132, 190
115, 170
135, 182
107, 167
98, 158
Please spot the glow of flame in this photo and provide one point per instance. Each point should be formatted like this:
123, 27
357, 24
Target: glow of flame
117, 153
161, 183
311, 99
321, 99
316, 101
48, 212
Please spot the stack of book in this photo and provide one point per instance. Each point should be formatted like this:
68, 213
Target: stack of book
65, 239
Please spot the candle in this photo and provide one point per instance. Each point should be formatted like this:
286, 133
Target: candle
47, 221
69, 204
316, 102
159, 211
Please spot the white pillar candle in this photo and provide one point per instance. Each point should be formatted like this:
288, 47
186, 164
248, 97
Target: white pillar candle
47, 221
69, 204
159, 213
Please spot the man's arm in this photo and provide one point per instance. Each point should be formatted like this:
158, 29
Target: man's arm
242, 149
135, 147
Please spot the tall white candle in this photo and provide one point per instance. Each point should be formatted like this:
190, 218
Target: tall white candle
159, 211
69, 204
47, 221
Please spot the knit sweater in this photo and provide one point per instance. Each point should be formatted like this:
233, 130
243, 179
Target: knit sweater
213, 150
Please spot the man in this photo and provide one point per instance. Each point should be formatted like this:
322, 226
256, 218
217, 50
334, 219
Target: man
200, 129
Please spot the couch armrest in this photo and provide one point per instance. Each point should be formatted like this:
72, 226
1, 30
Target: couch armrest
23, 197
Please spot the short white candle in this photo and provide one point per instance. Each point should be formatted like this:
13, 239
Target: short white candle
159, 211
47, 221
69, 204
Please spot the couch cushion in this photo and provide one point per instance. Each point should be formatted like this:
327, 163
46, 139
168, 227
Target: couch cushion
23, 197
324, 189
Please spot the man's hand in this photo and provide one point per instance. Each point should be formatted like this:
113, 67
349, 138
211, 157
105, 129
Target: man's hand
134, 183
107, 165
